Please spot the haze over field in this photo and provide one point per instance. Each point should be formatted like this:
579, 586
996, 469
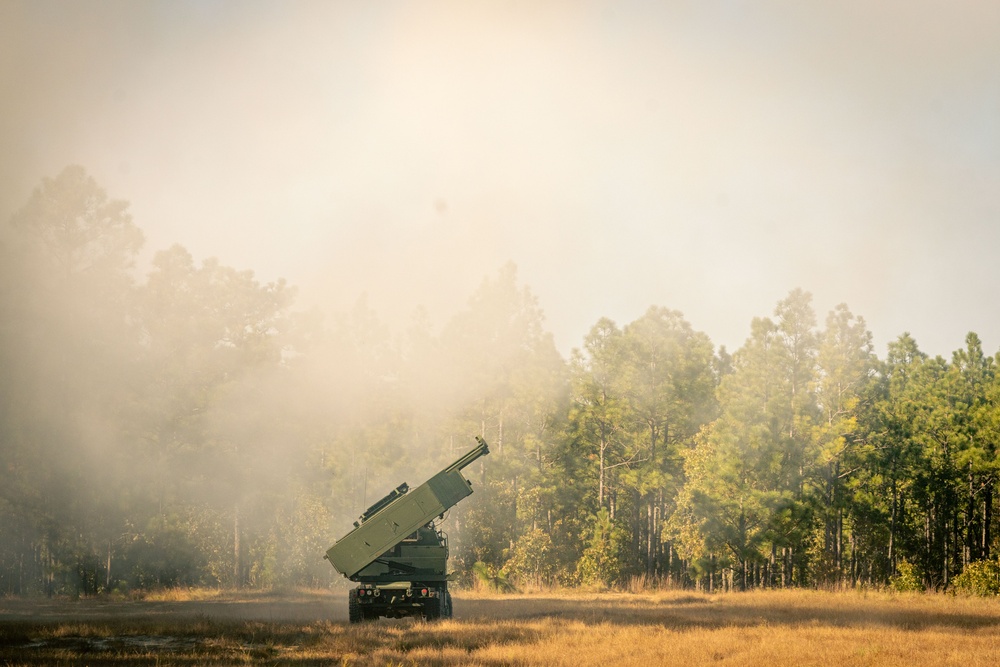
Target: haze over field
707, 157
503, 209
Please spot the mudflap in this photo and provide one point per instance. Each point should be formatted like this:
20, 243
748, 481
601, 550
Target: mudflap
438, 606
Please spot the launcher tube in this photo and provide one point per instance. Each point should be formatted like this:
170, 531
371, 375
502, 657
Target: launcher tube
482, 449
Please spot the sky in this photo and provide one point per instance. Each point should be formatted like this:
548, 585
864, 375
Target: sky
704, 156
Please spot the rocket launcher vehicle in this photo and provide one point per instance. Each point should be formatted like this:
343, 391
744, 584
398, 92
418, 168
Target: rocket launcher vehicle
395, 541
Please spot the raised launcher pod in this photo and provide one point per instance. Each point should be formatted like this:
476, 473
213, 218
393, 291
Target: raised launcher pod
395, 551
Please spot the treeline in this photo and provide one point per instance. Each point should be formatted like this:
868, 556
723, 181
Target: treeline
192, 428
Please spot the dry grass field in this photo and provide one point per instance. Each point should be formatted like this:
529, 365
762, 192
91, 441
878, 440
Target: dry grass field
564, 628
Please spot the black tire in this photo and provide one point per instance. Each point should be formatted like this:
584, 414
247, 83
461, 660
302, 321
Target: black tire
447, 604
355, 613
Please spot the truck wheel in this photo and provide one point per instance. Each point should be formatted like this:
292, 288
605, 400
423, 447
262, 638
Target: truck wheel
447, 604
354, 612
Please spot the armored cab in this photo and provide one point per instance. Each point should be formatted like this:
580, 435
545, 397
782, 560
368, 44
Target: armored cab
397, 554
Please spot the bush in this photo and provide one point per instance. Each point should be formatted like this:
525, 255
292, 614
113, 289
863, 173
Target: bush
530, 560
908, 580
491, 578
981, 577
603, 559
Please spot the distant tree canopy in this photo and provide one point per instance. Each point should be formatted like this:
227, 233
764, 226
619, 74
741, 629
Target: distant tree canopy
194, 429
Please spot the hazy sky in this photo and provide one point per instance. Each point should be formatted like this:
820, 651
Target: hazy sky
704, 156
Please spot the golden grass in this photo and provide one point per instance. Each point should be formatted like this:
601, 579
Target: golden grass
196, 594
545, 628
180, 594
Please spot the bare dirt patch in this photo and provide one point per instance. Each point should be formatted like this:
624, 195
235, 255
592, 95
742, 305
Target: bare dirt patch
299, 606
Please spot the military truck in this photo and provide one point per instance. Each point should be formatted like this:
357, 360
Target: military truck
397, 554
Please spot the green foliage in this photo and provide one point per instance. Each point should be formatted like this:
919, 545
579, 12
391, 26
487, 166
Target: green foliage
981, 578
492, 578
166, 555
488, 524
189, 429
908, 580
299, 535
603, 559
531, 559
